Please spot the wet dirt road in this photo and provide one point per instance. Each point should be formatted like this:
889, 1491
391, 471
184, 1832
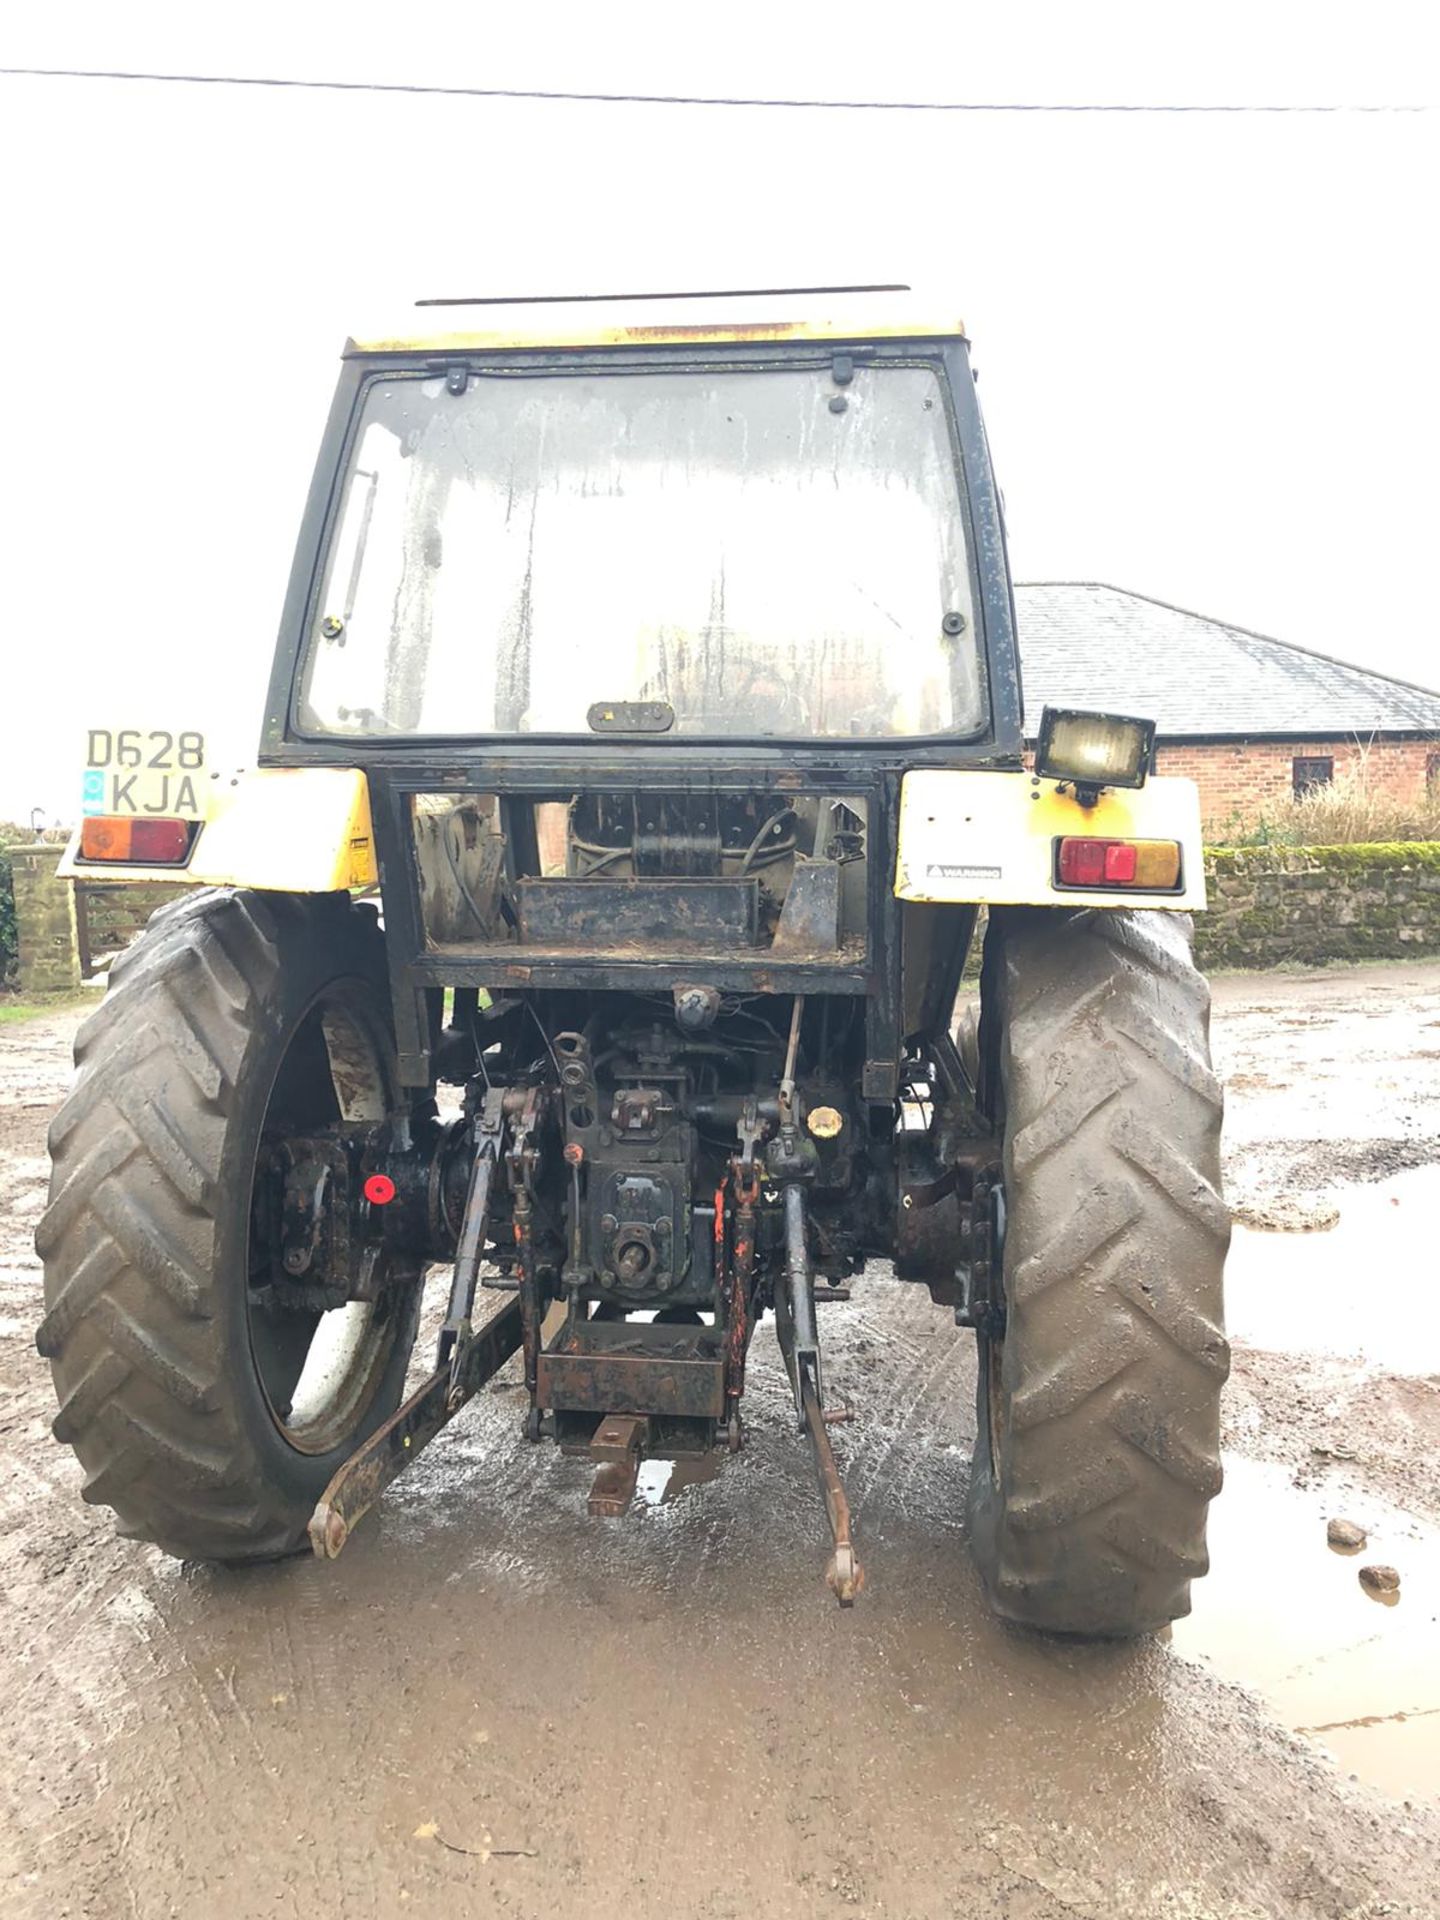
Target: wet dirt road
493, 1704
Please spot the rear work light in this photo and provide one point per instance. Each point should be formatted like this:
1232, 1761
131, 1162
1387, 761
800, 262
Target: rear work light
137, 843
1094, 750
1153, 866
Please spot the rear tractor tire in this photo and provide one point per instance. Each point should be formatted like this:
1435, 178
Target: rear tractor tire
1097, 1450
207, 1412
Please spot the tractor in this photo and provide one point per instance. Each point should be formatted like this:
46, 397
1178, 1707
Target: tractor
643, 758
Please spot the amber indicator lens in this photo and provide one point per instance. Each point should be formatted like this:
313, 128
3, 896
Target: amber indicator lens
139, 843
1153, 866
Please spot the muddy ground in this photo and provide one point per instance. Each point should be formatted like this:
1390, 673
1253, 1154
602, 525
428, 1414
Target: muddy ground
492, 1704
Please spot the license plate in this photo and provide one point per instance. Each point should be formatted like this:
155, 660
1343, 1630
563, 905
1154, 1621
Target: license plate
144, 770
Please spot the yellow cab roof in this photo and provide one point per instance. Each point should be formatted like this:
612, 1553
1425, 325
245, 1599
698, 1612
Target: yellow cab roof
478, 326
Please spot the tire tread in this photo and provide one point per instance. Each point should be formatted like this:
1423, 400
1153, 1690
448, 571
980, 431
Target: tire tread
1090, 1518
129, 1239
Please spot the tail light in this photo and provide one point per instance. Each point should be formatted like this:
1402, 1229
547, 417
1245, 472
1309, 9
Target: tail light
137, 843
1153, 866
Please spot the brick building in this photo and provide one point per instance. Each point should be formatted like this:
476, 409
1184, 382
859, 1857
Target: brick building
1253, 721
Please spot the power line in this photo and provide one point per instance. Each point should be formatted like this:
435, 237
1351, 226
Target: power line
615, 299
702, 100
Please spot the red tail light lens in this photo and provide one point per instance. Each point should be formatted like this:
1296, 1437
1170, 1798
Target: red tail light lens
1153, 865
160, 843
136, 843
1082, 863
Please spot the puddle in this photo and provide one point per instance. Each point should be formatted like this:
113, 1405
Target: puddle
660, 1481
1364, 1289
1282, 1613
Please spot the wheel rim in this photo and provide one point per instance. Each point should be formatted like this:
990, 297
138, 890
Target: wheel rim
319, 1371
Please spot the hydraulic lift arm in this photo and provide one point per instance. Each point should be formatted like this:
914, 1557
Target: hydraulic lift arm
466, 1359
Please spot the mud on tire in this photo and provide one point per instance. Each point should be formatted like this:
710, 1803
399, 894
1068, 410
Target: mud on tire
145, 1241
1097, 1450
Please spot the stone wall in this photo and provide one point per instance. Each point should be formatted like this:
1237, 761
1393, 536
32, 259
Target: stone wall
44, 921
1273, 906
1269, 906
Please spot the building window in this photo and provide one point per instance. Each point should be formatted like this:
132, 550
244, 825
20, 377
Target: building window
1432, 775
1310, 771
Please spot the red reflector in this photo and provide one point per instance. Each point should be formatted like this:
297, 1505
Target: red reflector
140, 843
160, 841
1082, 862
1120, 863
379, 1189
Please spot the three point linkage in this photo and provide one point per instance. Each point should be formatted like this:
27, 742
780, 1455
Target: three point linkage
647, 1383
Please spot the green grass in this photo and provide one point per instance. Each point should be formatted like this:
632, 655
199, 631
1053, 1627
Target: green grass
15, 1010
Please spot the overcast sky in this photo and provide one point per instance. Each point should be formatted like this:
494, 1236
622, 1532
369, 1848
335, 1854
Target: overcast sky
1206, 343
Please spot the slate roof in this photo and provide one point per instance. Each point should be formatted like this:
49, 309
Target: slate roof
1087, 645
